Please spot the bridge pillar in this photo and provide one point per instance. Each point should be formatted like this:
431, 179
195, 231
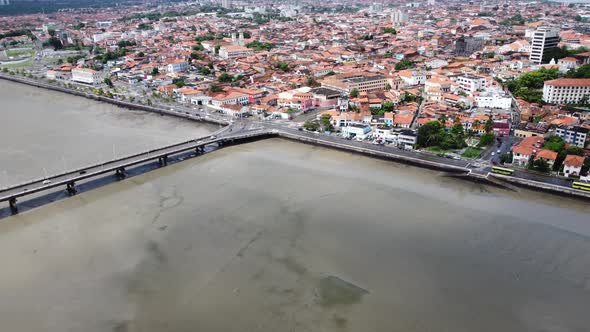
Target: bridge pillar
13, 207
120, 173
71, 188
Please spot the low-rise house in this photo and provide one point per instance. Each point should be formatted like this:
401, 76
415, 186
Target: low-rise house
403, 120
356, 130
234, 110
548, 155
572, 165
526, 149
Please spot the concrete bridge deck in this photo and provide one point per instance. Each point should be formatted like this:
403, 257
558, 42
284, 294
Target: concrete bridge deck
118, 166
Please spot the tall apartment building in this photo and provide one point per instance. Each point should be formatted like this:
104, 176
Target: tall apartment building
398, 17
226, 3
544, 39
573, 135
465, 46
4, 2
566, 90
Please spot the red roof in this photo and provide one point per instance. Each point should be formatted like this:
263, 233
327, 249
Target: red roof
569, 82
574, 161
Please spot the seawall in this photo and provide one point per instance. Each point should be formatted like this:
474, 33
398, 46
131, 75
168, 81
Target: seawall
497, 180
375, 153
120, 103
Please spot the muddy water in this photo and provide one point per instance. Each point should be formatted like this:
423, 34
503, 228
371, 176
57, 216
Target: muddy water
278, 236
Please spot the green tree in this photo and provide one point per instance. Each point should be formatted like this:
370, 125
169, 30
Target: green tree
489, 125
217, 47
205, 71
486, 139
387, 86
311, 125
541, 165
155, 71
215, 88
179, 82
404, 64
354, 93
430, 134
528, 85
283, 66
387, 106
225, 78
554, 143
108, 82
326, 121
506, 158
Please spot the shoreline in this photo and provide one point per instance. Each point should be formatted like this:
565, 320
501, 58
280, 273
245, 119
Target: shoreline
505, 182
120, 103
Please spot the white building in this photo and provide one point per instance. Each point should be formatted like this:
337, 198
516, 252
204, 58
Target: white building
356, 130
86, 75
226, 4
572, 165
398, 17
407, 139
471, 83
234, 51
493, 101
412, 77
566, 90
573, 135
177, 66
544, 39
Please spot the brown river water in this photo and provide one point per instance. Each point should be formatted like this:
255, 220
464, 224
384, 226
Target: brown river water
272, 236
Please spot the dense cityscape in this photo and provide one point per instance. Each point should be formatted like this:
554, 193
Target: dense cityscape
430, 76
294, 165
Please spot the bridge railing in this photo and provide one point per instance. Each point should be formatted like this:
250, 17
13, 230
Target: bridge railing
130, 157
102, 164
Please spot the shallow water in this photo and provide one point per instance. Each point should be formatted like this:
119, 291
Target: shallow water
279, 236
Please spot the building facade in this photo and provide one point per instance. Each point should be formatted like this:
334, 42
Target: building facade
398, 17
573, 135
465, 46
566, 90
543, 39
177, 66
86, 75
234, 52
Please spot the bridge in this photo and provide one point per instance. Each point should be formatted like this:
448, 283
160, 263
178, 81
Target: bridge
118, 166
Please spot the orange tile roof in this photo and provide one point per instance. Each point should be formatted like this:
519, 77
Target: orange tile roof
574, 161
569, 82
546, 154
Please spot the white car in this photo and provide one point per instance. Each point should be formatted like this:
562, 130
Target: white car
47, 182
493, 153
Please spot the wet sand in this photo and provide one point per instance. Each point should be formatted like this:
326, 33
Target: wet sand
278, 236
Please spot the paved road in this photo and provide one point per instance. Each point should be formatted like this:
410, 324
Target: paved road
376, 147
